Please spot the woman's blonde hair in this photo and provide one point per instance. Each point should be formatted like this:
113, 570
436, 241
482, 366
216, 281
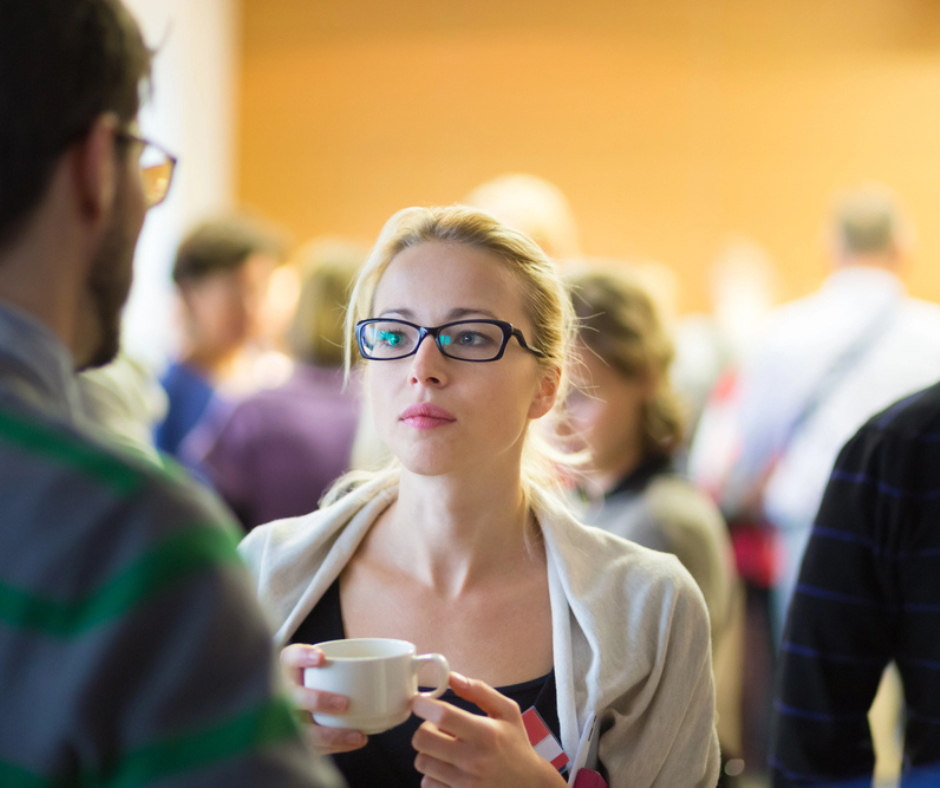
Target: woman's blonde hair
619, 322
545, 300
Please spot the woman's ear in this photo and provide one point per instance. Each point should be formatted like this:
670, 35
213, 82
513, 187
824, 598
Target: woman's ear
547, 393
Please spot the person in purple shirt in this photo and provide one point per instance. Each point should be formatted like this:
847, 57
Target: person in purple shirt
281, 448
221, 272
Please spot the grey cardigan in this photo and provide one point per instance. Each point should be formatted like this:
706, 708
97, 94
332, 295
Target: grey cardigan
630, 630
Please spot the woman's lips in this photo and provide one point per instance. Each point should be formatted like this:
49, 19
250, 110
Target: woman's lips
426, 416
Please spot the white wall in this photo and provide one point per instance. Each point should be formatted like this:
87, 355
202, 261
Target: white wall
192, 113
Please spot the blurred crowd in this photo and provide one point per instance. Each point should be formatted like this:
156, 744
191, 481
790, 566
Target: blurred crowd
710, 436
404, 442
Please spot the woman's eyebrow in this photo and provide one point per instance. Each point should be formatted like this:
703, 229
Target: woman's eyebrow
461, 312
404, 313
458, 313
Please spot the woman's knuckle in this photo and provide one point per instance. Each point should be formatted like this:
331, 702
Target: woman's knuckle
446, 717
420, 739
489, 737
421, 762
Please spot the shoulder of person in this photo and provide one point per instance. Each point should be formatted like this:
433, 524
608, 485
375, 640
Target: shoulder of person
282, 543
675, 495
912, 419
102, 526
597, 564
121, 482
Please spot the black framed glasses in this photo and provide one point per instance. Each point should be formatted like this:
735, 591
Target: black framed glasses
382, 339
157, 166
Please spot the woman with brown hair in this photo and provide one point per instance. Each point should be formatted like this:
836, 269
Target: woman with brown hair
625, 414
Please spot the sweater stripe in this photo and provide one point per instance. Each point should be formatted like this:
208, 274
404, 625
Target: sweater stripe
836, 596
832, 656
190, 551
261, 727
72, 451
890, 490
818, 716
823, 532
12, 776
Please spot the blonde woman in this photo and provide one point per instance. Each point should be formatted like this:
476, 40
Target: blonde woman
460, 548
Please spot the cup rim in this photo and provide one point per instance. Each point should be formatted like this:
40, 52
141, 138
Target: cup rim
407, 648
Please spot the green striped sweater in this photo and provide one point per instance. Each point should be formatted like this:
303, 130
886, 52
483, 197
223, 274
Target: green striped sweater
132, 650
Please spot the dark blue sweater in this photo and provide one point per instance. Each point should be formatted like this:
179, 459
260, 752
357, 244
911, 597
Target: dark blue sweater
868, 593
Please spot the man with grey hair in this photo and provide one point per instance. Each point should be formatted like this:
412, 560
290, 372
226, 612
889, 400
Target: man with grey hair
826, 363
132, 650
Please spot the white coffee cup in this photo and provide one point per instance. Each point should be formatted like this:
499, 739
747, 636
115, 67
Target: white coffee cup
378, 675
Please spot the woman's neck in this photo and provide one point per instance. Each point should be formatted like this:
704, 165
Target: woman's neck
452, 534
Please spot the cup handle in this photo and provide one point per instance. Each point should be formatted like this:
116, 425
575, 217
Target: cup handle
442, 666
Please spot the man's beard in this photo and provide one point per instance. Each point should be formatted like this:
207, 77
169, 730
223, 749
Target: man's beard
108, 286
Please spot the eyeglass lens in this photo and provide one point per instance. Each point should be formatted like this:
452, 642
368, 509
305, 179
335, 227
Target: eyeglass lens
472, 341
156, 169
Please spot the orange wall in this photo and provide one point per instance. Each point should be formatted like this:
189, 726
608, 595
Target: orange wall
669, 125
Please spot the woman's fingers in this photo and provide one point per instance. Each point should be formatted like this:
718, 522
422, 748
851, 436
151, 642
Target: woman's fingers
294, 660
329, 740
431, 740
296, 657
317, 700
491, 702
449, 719
437, 771
457, 748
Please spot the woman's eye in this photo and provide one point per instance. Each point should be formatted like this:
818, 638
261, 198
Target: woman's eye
469, 338
390, 338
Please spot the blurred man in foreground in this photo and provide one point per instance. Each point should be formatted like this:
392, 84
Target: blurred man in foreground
131, 648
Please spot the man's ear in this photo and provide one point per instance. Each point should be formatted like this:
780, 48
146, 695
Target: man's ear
546, 394
96, 168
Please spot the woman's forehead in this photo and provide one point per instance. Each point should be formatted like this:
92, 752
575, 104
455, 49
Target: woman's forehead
450, 276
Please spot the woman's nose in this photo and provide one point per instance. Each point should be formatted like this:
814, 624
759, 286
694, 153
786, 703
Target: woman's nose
428, 364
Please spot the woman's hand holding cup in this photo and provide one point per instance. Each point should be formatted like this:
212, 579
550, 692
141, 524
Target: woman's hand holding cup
295, 659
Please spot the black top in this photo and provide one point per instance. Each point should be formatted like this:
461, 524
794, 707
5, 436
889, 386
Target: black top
637, 480
868, 594
388, 759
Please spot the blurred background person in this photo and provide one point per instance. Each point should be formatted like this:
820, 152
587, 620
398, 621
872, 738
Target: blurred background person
625, 413
826, 363
743, 289
282, 447
221, 274
533, 206
771, 431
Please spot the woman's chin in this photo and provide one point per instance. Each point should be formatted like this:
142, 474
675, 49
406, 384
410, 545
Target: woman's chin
429, 467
